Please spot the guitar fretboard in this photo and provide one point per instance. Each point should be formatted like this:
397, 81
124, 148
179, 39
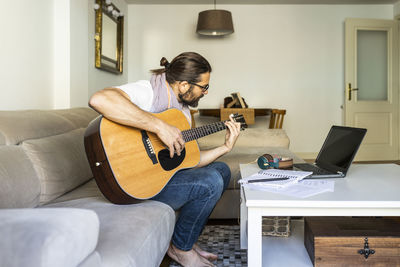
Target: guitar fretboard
198, 132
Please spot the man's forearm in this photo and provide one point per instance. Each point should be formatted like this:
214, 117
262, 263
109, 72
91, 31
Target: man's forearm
113, 105
208, 156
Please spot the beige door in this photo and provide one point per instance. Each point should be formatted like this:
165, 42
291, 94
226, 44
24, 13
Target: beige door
372, 87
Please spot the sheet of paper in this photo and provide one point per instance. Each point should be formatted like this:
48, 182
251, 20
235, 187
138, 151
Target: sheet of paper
320, 183
265, 178
302, 189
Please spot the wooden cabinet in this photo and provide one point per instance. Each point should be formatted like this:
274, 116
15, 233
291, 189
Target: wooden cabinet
349, 241
248, 114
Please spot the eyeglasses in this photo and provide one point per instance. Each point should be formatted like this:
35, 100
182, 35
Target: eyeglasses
203, 88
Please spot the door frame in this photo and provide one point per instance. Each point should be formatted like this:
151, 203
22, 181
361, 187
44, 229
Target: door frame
393, 77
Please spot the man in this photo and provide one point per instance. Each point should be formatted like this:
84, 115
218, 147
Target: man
195, 192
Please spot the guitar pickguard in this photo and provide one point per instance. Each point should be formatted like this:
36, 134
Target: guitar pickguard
168, 163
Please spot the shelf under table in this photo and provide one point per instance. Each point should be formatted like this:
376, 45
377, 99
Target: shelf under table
286, 251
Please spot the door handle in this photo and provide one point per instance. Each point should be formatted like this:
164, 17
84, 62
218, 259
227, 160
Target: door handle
351, 89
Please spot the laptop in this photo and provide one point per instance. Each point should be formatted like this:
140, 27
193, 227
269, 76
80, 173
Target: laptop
337, 153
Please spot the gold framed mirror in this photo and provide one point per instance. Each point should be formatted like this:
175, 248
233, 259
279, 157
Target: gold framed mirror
109, 31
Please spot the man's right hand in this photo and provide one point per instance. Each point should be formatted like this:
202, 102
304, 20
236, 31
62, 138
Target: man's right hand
116, 105
172, 138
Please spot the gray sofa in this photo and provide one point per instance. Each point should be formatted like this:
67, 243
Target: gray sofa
43, 166
52, 213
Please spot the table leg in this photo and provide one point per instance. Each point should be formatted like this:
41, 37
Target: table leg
254, 251
243, 220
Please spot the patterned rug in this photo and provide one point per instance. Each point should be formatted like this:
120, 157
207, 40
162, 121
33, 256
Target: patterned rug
223, 240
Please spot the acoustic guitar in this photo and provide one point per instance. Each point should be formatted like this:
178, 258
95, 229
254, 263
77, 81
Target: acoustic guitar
130, 164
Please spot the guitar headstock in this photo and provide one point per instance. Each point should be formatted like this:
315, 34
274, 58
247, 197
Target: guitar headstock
239, 118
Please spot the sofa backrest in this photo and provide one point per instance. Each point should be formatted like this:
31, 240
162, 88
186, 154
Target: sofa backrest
42, 155
256, 136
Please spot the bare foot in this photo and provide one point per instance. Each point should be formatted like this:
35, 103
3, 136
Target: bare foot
208, 255
188, 258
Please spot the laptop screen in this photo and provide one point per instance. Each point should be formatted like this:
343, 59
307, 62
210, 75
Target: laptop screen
340, 148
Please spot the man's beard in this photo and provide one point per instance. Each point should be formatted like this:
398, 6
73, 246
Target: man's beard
192, 103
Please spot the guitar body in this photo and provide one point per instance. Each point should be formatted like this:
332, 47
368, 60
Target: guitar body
130, 164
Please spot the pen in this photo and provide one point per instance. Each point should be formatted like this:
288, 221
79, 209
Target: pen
268, 180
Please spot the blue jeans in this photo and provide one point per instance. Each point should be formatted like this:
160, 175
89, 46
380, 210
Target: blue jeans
195, 192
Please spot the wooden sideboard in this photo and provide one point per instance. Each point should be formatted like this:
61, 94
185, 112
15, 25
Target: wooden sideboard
216, 112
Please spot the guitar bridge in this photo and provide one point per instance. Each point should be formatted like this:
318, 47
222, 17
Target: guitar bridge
149, 147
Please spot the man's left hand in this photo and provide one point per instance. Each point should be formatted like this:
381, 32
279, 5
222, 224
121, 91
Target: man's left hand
232, 133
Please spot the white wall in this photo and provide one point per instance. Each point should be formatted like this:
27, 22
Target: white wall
79, 53
280, 56
26, 43
61, 54
396, 9
47, 50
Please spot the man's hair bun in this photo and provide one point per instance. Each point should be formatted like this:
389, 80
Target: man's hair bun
164, 62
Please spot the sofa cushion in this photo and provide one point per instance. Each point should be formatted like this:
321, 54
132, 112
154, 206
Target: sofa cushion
60, 162
93, 260
79, 117
251, 137
87, 190
17, 126
130, 235
19, 184
47, 237
2, 139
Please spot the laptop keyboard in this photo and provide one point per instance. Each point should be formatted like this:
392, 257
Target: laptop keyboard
312, 168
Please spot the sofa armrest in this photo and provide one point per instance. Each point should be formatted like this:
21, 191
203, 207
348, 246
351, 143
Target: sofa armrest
47, 237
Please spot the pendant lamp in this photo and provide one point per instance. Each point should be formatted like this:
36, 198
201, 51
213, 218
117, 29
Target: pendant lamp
215, 22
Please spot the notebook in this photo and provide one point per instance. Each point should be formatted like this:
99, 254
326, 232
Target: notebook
276, 178
337, 153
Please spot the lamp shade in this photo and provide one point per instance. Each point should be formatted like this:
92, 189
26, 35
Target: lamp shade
215, 22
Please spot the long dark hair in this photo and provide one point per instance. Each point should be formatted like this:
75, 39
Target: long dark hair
187, 66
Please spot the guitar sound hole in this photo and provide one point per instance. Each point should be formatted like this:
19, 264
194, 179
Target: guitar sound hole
168, 163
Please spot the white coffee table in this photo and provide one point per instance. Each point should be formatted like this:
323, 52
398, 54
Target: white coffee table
367, 190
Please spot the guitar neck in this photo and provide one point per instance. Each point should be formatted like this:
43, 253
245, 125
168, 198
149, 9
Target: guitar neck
198, 132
